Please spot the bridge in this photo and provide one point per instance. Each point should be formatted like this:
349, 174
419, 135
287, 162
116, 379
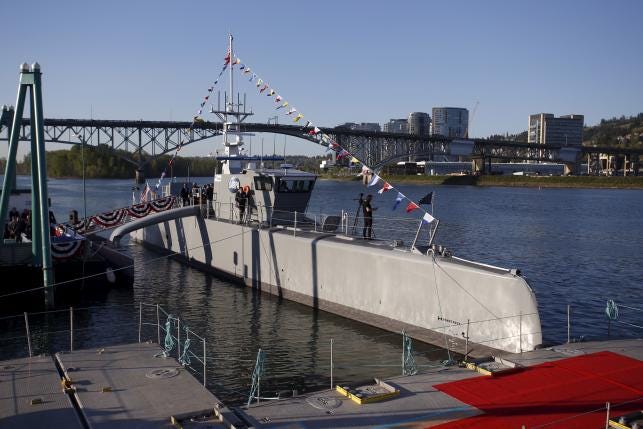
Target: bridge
144, 140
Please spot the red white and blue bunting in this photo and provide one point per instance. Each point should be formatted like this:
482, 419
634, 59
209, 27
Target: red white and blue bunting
66, 243
119, 216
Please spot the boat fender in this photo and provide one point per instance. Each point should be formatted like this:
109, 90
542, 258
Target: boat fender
111, 277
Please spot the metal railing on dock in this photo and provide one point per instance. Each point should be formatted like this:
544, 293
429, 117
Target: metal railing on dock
33, 333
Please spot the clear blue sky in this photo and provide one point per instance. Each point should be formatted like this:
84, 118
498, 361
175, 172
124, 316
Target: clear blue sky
336, 61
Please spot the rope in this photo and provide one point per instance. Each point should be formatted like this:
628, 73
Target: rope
185, 357
256, 376
611, 310
409, 367
169, 341
437, 294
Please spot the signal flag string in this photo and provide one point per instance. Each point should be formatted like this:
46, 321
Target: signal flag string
324, 139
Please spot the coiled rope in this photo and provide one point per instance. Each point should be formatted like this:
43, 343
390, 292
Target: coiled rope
185, 357
408, 361
169, 341
256, 376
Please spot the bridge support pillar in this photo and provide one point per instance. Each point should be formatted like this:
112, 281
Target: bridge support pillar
140, 176
635, 164
571, 168
478, 165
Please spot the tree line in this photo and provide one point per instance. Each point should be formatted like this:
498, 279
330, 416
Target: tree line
101, 162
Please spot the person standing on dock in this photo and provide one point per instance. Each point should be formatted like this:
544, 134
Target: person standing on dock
367, 210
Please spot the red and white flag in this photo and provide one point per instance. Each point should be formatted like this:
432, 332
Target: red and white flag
411, 206
385, 188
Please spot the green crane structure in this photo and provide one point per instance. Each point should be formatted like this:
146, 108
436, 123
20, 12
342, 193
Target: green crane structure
31, 85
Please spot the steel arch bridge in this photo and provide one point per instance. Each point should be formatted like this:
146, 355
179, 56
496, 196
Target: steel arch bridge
144, 140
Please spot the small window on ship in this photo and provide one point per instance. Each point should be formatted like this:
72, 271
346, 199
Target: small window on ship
263, 183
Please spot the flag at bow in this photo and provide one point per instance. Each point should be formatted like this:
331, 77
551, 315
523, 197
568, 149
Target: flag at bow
427, 218
298, 117
427, 199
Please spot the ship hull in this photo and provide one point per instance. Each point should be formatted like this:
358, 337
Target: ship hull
428, 296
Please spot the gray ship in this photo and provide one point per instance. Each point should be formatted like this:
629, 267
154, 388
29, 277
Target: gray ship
275, 246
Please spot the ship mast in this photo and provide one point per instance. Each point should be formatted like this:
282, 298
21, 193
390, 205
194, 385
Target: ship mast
232, 116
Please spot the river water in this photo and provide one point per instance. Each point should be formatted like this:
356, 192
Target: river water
577, 247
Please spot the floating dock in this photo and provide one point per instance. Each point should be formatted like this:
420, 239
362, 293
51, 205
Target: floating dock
587, 376
113, 387
127, 386
31, 396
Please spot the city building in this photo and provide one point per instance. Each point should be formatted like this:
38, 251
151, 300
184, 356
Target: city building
400, 126
450, 121
419, 123
566, 130
363, 126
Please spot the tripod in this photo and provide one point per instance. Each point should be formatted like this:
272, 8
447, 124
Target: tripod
357, 213
360, 201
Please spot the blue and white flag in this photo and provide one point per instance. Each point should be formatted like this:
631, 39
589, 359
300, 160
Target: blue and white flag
374, 180
398, 200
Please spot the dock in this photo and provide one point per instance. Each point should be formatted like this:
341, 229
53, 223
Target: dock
31, 396
422, 401
120, 386
132, 385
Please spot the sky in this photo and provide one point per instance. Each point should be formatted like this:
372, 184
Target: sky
335, 61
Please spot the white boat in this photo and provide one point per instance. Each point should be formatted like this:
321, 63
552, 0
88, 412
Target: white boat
315, 260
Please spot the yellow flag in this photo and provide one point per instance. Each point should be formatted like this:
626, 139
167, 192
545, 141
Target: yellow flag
354, 160
298, 117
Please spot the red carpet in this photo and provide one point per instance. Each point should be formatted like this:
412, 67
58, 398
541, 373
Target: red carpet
553, 391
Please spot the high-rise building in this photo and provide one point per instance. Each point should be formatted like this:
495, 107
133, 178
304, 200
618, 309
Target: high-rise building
419, 123
400, 126
450, 121
566, 130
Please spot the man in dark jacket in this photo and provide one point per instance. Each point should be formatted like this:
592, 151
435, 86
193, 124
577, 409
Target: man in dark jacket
367, 210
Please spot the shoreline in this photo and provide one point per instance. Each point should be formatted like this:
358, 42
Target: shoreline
589, 182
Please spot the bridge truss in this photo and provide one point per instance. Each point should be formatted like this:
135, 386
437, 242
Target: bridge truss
144, 140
